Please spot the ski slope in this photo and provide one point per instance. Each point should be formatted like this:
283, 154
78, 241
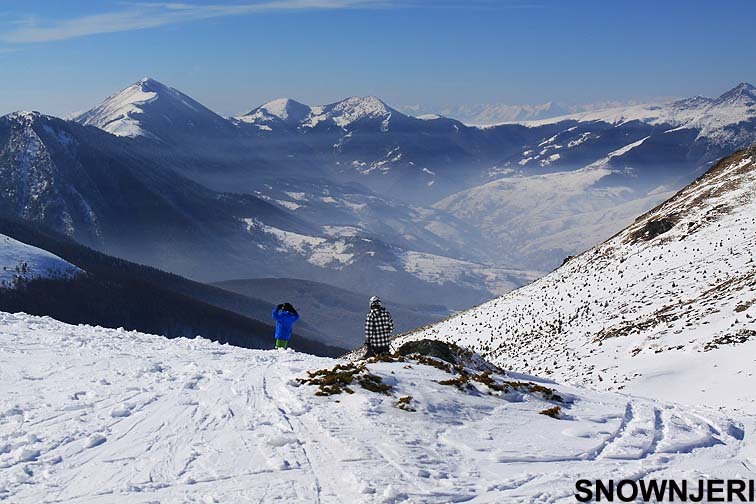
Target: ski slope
99, 416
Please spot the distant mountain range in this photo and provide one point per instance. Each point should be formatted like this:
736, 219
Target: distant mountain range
487, 114
363, 140
355, 194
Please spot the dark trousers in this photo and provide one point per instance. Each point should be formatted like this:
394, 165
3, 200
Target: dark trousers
372, 351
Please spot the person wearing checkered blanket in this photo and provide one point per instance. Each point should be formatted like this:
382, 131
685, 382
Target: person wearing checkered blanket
379, 327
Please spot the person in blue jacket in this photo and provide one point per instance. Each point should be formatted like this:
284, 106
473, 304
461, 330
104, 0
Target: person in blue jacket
285, 315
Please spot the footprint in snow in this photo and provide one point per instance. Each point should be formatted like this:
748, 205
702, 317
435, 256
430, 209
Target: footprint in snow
365, 488
282, 440
11, 412
391, 494
122, 410
28, 455
95, 440
279, 465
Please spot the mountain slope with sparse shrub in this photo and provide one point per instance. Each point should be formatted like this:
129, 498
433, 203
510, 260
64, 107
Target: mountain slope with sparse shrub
666, 308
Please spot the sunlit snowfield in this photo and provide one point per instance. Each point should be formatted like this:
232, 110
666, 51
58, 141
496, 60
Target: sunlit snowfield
97, 415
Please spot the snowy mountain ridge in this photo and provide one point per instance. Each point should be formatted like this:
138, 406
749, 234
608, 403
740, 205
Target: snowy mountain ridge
342, 113
134, 417
120, 113
421, 161
711, 116
663, 304
20, 261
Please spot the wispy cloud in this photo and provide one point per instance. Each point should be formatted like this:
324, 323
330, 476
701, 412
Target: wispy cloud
144, 15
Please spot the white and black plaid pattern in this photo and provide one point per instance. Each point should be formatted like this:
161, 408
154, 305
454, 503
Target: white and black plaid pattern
378, 328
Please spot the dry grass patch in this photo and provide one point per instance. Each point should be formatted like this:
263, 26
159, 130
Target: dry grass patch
405, 403
338, 380
553, 412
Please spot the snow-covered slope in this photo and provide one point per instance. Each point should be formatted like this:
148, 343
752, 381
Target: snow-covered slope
151, 109
21, 261
665, 308
119, 113
137, 418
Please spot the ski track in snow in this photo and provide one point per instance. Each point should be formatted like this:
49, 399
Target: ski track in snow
95, 415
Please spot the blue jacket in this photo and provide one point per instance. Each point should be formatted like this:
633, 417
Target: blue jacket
284, 321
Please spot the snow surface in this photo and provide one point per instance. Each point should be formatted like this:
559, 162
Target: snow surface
672, 316
99, 416
278, 108
316, 250
429, 117
21, 261
353, 109
119, 113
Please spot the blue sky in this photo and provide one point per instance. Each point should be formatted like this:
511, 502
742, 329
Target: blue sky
61, 56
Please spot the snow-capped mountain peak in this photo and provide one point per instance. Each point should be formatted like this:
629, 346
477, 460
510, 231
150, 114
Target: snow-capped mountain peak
286, 108
24, 116
355, 108
118, 113
281, 109
342, 113
742, 93
149, 108
149, 81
